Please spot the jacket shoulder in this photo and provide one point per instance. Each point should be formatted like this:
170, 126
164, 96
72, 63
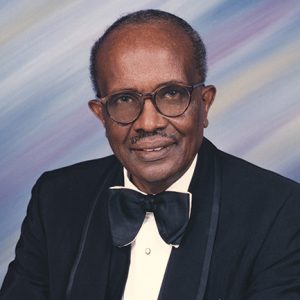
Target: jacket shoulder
239, 170
74, 187
83, 170
255, 191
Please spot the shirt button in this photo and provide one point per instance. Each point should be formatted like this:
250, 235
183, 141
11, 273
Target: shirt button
147, 251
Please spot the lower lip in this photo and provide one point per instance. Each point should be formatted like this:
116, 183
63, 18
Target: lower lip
150, 156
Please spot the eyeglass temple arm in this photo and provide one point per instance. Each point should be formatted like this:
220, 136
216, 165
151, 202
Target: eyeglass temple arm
198, 84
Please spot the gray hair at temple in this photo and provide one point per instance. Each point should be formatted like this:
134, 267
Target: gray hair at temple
152, 16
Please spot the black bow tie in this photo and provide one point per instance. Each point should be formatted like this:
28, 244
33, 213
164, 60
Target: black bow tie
127, 209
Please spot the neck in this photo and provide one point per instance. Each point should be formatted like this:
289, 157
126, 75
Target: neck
180, 182
152, 187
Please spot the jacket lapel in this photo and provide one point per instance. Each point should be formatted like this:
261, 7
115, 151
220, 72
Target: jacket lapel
97, 260
188, 266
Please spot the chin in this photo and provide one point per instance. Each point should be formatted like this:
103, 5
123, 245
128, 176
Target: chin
157, 176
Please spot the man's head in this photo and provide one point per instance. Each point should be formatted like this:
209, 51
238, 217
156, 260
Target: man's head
143, 52
155, 17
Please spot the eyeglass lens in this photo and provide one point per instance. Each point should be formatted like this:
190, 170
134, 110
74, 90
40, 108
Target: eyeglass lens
171, 101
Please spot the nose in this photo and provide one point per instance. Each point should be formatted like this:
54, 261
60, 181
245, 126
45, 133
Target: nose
150, 119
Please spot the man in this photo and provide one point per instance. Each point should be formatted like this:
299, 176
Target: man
224, 229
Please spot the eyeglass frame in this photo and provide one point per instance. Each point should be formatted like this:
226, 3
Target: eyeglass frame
151, 96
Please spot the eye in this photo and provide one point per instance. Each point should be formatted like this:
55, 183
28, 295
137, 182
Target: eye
124, 99
172, 92
121, 99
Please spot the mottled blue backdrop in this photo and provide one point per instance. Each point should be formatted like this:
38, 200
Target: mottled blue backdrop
254, 60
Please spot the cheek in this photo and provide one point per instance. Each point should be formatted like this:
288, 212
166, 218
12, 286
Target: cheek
117, 135
190, 125
196, 116
191, 129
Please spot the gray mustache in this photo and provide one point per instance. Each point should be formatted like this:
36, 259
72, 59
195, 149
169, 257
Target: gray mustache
144, 134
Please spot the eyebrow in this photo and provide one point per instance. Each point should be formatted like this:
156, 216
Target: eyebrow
166, 83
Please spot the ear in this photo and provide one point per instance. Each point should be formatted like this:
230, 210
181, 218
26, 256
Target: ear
97, 108
208, 96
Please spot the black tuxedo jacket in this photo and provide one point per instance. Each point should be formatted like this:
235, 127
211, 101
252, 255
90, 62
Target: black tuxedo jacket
242, 241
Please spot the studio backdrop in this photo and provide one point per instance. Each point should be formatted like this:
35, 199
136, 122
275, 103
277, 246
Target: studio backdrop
253, 57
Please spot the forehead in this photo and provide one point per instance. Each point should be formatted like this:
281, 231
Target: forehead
134, 49
162, 33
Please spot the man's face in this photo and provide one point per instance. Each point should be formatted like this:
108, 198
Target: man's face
142, 58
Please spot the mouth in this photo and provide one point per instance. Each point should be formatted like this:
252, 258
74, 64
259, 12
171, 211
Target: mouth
152, 153
152, 149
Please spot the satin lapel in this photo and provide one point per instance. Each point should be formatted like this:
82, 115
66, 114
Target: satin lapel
90, 275
188, 266
120, 260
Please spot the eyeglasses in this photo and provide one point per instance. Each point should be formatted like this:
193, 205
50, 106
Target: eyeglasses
170, 100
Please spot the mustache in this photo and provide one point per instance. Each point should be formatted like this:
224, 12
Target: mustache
144, 134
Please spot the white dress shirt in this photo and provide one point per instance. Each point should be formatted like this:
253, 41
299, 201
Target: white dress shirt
149, 253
